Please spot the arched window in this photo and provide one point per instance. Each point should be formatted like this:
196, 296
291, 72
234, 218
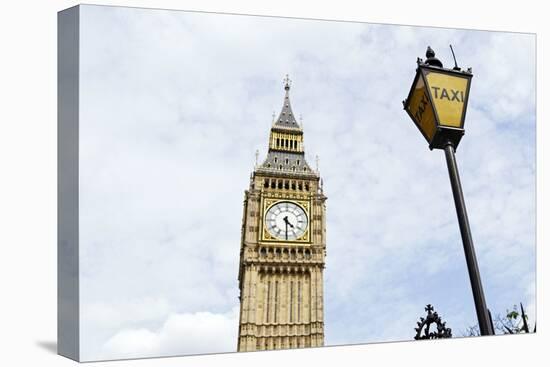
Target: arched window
266, 183
299, 299
268, 300
291, 303
276, 303
277, 142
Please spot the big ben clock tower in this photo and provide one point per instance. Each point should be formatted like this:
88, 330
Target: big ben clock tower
283, 245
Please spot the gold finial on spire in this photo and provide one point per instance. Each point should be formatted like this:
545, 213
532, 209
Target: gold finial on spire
288, 82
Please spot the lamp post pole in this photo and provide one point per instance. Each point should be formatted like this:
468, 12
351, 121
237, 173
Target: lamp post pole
437, 104
471, 261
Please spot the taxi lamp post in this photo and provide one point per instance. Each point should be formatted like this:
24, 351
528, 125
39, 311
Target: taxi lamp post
437, 105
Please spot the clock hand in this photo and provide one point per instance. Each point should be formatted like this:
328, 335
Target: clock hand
286, 229
287, 222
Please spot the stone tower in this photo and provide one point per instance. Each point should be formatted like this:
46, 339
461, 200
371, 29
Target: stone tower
283, 243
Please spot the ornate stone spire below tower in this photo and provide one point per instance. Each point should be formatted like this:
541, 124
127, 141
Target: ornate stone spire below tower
283, 243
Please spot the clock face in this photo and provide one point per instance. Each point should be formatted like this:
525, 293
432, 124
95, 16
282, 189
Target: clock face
286, 221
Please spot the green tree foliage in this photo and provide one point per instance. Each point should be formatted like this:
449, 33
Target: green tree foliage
514, 322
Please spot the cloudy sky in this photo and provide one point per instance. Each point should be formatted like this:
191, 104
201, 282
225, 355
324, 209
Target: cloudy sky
174, 105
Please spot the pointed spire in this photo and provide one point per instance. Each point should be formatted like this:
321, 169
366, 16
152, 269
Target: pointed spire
317, 163
286, 118
288, 82
286, 143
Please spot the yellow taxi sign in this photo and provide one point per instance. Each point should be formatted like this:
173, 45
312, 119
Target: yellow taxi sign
437, 103
419, 107
448, 93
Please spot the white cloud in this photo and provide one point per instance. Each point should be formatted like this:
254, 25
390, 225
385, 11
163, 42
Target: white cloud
185, 333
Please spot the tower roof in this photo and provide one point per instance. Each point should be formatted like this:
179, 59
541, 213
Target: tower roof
286, 119
286, 163
286, 151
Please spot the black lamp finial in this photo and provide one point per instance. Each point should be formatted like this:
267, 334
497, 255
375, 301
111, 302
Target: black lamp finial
431, 59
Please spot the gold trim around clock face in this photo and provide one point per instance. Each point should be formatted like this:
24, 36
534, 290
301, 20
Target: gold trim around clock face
268, 203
